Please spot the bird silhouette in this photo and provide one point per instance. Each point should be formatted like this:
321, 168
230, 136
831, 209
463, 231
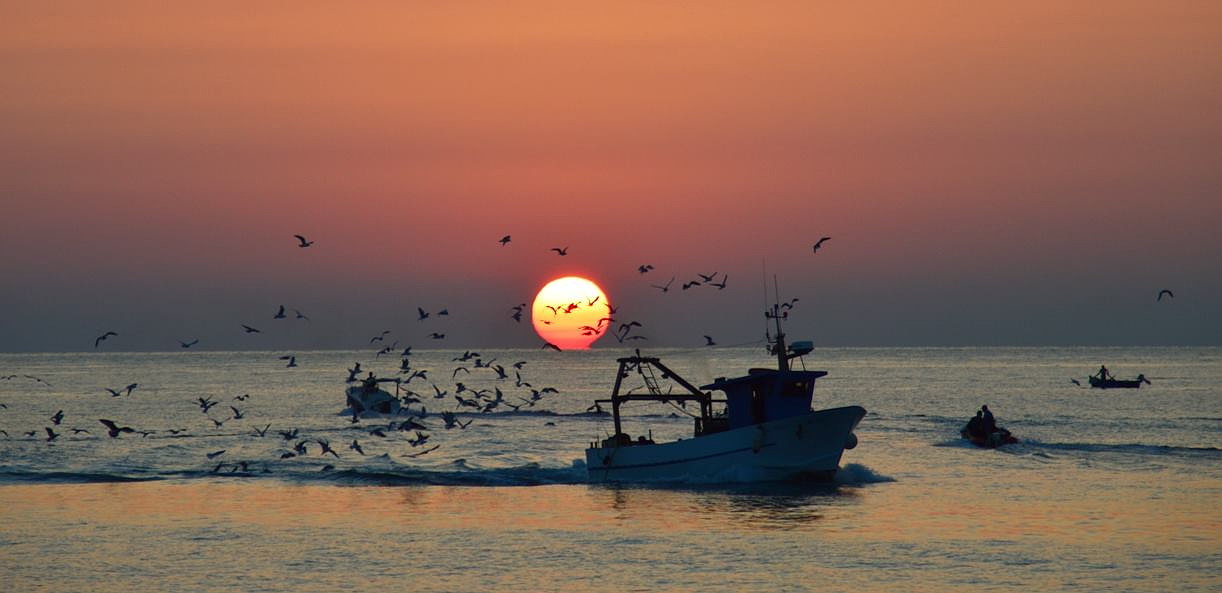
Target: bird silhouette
101, 338
1075, 382
666, 287
687, 285
355, 446
708, 278
722, 284
560, 251
113, 429
504, 240
300, 315
301, 242
1166, 292
250, 330
819, 244
279, 314
378, 338
644, 268
188, 344
57, 418
215, 454
421, 314
131, 387
552, 346
51, 434
292, 361
262, 432
708, 341
437, 336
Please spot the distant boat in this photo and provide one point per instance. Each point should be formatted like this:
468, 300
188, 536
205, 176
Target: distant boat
1118, 383
992, 440
766, 431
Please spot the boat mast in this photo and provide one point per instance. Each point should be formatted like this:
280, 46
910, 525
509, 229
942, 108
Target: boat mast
778, 348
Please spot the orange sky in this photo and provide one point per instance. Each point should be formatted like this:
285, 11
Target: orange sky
991, 173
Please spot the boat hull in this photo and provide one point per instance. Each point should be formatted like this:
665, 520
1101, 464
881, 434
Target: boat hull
1115, 383
808, 445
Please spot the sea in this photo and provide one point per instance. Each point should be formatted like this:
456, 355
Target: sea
1107, 490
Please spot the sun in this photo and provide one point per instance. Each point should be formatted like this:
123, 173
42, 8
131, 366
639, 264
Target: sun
571, 312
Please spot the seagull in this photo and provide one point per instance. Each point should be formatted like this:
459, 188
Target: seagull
113, 392
326, 448
237, 414
75, 431
709, 341
131, 387
429, 450
188, 344
552, 346
57, 418
422, 315
279, 314
215, 454
292, 361
819, 244
722, 285
301, 242
559, 251
709, 278
263, 432
51, 434
444, 312
377, 338
645, 268
300, 315
504, 240
99, 339
437, 336
241, 398
112, 429
665, 288
1166, 292
1075, 382
687, 285
249, 330
355, 446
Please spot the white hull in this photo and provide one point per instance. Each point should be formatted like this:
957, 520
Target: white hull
806, 445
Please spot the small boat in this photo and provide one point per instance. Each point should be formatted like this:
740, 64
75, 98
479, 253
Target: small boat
992, 440
762, 430
368, 399
1118, 383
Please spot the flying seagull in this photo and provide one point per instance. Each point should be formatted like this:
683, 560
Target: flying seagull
189, 344
552, 346
1166, 292
708, 341
301, 241
644, 268
250, 330
665, 288
421, 315
279, 314
560, 251
504, 240
99, 339
292, 361
819, 244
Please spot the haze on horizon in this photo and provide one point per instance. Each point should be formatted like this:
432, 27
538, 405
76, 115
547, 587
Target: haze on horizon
991, 174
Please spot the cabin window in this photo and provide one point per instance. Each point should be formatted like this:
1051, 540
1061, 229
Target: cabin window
794, 389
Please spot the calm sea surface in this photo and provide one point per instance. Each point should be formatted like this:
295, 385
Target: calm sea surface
1113, 490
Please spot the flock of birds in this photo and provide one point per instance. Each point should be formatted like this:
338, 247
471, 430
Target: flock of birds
414, 421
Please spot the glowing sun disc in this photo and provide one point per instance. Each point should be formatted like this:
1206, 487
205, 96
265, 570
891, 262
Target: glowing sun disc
571, 313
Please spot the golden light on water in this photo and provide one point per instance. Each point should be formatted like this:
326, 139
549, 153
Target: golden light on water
571, 312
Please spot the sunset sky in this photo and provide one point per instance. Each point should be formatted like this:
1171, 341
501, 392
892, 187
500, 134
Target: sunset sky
992, 173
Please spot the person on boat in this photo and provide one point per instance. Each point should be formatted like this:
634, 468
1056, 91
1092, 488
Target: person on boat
975, 426
987, 422
1104, 375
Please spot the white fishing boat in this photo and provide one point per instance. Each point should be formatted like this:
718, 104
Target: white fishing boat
367, 399
764, 429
